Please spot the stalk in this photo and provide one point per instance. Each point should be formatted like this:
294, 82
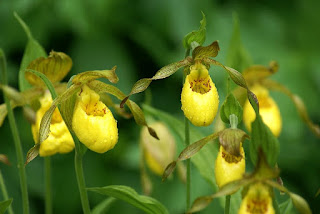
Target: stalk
80, 176
48, 192
227, 205
4, 192
187, 143
16, 139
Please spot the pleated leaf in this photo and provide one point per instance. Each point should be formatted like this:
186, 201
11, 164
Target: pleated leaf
198, 36
32, 51
129, 195
4, 205
237, 56
262, 137
103, 206
229, 107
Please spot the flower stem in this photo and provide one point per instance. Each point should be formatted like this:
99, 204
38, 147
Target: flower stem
4, 192
48, 192
16, 139
227, 204
187, 143
80, 176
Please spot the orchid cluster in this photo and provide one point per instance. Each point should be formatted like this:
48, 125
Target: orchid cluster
72, 115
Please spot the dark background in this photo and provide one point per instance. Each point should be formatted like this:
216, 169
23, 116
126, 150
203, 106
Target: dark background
140, 37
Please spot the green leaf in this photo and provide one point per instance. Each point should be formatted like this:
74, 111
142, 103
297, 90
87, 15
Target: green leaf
33, 51
88, 76
229, 107
4, 205
287, 207
200, 52
263, 138
103, 206
300, 204
198, 36
129, 195
237, 55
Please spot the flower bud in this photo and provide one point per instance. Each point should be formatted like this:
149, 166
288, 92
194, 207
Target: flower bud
257, 200
158, 153
268, 109
229, 167
93, 122
199, 97
60, 139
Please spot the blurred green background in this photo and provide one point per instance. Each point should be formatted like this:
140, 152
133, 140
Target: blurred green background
140, 37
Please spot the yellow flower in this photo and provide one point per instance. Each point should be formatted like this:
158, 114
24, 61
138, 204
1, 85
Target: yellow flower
229, 167
257, 200
60, 139
93, 122
269, 111
158, 153
199, 97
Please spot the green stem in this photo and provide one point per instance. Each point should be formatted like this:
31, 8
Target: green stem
80, 176
48, 192
187, 143
227, 205
16, 139
4, 192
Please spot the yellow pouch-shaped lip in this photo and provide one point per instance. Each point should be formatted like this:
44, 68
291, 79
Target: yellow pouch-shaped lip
229, 167
158, 153
257, 200
199, 97
93, 122
60, 139
269, 111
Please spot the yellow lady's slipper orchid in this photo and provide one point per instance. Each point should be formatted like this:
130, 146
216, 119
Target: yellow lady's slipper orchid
93, 122
199, 97
269, 111
60, 139
229, 167
257, 200
158, 153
